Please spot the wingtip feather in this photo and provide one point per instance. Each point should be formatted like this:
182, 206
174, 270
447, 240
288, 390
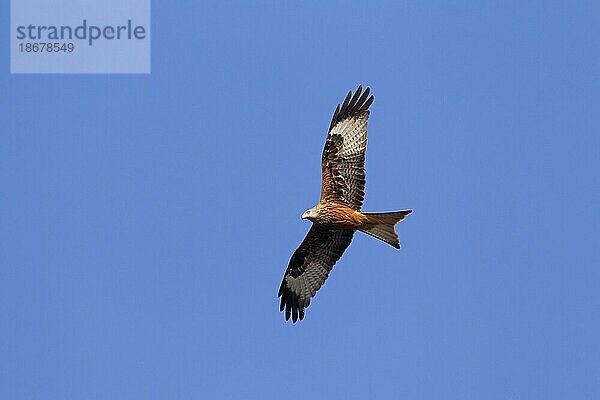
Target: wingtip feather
352, 105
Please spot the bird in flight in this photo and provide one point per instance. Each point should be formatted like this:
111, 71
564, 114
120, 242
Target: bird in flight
337, 216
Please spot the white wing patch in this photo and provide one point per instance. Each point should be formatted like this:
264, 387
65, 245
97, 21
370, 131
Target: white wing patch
354, 132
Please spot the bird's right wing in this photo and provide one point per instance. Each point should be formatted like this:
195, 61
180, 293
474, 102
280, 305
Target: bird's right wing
309, 267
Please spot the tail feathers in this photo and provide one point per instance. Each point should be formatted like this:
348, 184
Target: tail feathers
381, 226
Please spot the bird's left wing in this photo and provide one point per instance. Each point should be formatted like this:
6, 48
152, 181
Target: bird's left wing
309, 267
343, 161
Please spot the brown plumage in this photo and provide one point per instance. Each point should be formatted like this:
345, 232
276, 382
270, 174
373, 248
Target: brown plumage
338, 215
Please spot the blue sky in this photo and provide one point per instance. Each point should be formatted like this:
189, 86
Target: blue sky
146, 220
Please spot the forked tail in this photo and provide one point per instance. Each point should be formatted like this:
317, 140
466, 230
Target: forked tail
381, 226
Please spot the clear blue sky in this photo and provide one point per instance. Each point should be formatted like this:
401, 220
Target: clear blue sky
146, 220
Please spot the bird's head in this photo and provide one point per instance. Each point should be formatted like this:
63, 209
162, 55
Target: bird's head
310, 214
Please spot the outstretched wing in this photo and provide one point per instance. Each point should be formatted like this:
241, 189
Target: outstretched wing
309, 267
343, 162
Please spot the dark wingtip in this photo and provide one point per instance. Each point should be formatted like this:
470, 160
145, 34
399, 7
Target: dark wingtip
292, 304
352, 105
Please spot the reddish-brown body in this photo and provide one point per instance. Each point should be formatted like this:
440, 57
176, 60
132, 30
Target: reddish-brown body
339, 216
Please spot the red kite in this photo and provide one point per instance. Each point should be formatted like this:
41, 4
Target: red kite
338, 215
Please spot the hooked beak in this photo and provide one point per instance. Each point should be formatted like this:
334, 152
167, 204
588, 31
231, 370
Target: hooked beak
305, 215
